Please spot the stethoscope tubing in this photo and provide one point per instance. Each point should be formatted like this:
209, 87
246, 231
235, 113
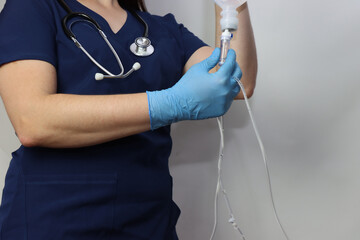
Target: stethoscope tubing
87, 18
103, 35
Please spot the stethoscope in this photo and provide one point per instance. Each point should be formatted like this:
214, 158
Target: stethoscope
141, 47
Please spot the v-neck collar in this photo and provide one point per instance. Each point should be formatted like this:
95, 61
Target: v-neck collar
79, 7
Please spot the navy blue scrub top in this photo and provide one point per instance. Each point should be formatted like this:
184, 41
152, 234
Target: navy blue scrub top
120, 189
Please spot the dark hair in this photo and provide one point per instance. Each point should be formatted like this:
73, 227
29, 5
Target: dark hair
133, 5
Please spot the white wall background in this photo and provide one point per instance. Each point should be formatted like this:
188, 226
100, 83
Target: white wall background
307, 110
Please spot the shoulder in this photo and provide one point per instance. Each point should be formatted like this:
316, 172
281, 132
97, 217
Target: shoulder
30, 31
168, 18
27, 13
167, 21
28, 4
25, 8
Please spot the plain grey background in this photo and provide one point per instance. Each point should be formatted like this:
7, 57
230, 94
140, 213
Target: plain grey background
307, 110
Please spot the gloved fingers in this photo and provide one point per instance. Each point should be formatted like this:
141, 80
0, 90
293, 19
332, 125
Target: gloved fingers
236, 90
234, 86
211, 61
233, 91
237, 72
228, 67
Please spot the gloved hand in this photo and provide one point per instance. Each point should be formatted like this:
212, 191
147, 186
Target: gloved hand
198, 94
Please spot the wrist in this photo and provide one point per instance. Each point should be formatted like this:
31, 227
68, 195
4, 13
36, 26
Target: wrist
162, 111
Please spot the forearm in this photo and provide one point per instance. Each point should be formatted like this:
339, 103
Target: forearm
67, 121
244, 45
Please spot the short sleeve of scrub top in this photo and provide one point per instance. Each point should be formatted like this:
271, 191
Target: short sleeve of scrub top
27, 32
121, 189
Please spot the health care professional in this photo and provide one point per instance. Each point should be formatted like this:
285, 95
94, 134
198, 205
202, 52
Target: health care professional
93, 163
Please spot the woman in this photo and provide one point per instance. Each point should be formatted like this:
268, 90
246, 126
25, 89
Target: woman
94, 157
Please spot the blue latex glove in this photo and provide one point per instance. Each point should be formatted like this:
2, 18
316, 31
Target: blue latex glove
198, 94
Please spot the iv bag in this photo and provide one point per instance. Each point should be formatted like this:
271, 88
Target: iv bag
229, 14
229, 4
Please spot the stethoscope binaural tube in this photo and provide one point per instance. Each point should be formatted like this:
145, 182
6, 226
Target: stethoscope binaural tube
143, 44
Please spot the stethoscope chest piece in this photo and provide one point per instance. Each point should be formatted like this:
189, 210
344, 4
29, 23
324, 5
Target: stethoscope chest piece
142, 47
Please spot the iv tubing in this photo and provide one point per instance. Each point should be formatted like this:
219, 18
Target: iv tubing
220, 185
263, 154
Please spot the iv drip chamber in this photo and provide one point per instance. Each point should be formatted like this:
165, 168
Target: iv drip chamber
226, 36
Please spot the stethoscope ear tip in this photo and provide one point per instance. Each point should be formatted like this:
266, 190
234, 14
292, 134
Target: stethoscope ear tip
99, 76
136, 66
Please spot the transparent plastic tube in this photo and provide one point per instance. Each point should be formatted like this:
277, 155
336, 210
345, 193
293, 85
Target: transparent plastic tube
220, 186
224, 45
262, 149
